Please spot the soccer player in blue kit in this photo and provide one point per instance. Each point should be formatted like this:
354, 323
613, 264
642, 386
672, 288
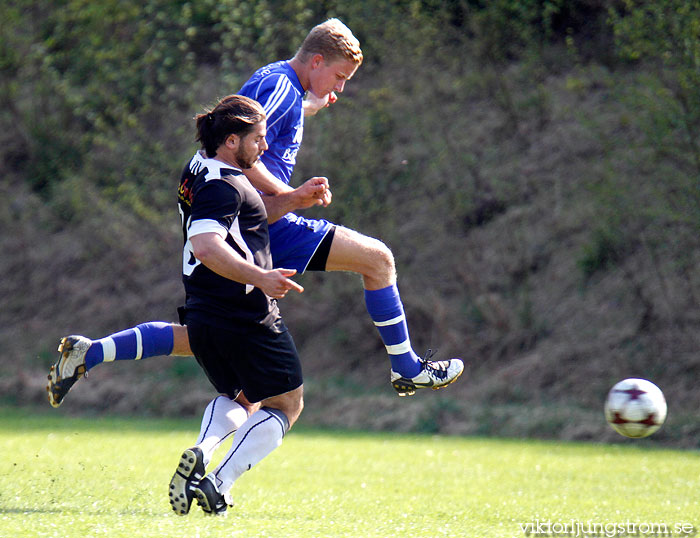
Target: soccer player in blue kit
329, 57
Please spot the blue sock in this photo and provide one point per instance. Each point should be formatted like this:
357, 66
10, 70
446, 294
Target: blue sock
386, 310
140, 342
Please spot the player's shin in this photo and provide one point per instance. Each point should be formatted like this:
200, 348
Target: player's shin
221, 419
259, 435
387, 313
141, 342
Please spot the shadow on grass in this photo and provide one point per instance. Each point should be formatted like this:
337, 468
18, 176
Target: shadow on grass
58, 420
81, 511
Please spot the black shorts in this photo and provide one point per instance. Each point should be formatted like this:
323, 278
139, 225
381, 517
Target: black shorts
259, 361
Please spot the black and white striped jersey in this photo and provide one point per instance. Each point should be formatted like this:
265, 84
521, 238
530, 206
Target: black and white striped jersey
215, 197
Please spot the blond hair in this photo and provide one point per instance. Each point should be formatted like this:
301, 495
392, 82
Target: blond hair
333, 40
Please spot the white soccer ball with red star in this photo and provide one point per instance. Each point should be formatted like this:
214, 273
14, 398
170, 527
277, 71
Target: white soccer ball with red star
635, 408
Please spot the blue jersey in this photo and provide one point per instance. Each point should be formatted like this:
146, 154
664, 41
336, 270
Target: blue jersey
293, 239
277, 88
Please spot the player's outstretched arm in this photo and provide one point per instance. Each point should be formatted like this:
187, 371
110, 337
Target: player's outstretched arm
280, 198
265, 181
276, 283
314, 191
211, 249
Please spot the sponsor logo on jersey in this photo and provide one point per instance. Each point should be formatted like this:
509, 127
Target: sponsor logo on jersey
290, 155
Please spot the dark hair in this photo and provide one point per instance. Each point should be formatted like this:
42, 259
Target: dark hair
235, 114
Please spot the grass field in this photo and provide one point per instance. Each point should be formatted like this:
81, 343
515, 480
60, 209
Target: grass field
80, 478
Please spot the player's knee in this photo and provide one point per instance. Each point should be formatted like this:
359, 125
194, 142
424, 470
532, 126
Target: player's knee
241, 400
294, 410
181, 341
290, 404
382, 267
385, 257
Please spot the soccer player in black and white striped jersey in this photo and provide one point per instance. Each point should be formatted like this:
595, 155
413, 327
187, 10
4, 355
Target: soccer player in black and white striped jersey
234, 325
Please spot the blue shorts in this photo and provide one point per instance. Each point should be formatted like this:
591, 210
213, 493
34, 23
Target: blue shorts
294, 240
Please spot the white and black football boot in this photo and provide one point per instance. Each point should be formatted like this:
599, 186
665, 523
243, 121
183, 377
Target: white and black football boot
69, 367
208, 497
190, 470
433, 375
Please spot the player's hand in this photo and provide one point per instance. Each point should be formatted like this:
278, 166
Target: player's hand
322, 191
313, 103
326, 198
314, 191
276, 283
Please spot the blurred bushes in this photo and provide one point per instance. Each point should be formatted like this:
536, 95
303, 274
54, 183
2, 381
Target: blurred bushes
665, 37
98, 97
102, 90
507, 150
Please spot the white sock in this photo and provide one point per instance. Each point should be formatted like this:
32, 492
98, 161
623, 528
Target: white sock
260, 435
221, 419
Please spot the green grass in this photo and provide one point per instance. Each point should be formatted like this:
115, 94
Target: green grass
77, 478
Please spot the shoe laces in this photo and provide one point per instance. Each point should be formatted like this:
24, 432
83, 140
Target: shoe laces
437, 369
428, 355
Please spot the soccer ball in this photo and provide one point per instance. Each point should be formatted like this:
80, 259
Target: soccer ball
635, 408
